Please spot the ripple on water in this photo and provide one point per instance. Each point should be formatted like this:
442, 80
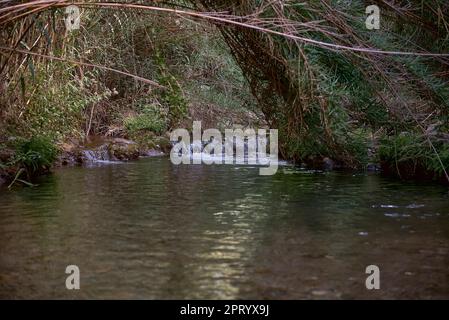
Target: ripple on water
150, 229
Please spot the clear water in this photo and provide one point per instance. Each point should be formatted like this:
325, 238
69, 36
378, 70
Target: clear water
149, 229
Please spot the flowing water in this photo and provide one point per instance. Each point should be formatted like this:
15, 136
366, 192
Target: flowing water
149, 229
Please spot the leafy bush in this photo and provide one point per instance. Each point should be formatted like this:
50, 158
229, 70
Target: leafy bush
415, 151
57, 102
35, 154
172, 96
149, 119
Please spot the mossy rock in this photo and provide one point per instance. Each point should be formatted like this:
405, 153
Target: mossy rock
123, 150
147, 145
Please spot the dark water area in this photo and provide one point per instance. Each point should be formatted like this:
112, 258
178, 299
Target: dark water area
153, 230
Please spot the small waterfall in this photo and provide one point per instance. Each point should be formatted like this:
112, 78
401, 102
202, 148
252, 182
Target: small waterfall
236, 151
100, 154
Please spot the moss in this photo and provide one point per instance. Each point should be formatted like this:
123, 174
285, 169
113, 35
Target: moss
123, 151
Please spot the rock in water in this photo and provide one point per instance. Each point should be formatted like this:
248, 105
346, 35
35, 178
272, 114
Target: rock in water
123, 150
328, 164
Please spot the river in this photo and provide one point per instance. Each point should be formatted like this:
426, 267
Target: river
153, 230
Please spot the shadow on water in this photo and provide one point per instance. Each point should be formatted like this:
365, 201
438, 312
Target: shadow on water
150, 229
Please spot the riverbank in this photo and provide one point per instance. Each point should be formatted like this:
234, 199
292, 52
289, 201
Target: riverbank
116, 149
93, 149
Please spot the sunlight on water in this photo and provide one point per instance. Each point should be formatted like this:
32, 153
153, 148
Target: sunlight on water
149, 229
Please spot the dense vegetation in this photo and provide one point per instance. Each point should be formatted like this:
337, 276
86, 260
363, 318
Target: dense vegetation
233, 62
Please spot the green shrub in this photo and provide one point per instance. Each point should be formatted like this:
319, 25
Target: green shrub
357, 147
35, 154
172, 96
57, 102
149, 119
414, 149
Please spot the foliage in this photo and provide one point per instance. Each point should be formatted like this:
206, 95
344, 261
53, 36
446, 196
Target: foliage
150, 118
326, 102
34, 155
55, 103
322, 98
408, 149
172, 96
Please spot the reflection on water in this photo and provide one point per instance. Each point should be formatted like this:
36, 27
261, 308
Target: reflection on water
150, 229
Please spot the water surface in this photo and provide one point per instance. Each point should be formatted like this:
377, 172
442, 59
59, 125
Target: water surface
152, 230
